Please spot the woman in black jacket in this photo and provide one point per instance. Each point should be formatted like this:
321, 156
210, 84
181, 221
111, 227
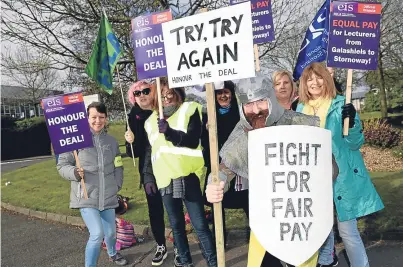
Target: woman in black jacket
227, 113
142, 96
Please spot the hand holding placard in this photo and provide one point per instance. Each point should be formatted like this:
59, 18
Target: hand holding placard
82, 175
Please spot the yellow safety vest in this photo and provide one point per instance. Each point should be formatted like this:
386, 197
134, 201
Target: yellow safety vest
169, 161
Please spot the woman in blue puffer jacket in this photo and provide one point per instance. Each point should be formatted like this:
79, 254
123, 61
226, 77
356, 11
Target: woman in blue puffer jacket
353, 191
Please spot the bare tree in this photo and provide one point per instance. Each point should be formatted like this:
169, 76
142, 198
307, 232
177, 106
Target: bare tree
390, 48
66, 30
291, 20
31, 71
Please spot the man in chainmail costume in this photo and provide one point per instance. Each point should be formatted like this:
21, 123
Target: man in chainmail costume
258, 108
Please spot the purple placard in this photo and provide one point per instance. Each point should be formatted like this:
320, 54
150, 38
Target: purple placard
67, 122
148, 44
262, 20
354, 35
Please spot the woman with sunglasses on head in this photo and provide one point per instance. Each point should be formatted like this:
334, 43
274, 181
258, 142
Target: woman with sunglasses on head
175, 157
142, 96
227, 114
353, 192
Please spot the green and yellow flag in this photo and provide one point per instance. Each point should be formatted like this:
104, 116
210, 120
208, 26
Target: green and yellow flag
105, 54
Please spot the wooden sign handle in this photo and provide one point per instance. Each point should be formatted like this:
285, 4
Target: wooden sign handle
348, 99
160, 111
212, 129
82, 180
257, 60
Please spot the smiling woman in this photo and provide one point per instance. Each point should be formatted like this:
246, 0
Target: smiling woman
97, 116
103, 179
354, 193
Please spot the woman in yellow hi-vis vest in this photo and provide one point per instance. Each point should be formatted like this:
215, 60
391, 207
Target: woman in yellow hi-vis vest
175, 156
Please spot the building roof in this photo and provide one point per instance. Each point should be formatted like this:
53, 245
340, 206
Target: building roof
358, 95
19, 92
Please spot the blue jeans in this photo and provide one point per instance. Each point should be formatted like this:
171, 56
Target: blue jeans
326, 251
100, 224
194, 205
352, 243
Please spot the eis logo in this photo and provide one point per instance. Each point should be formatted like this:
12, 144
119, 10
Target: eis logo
54, 102
346, 7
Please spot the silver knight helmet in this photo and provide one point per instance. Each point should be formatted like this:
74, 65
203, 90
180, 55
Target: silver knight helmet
253, 89
258, 88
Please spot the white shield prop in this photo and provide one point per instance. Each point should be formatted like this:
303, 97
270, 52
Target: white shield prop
290, 190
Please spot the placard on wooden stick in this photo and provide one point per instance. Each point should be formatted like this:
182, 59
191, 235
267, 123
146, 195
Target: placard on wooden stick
67, 123
354, 37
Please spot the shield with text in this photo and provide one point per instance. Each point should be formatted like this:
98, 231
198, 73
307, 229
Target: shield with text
290, 190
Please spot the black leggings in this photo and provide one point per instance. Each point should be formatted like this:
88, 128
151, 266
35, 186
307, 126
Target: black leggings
156, 214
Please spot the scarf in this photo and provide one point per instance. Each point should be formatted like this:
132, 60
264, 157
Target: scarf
224, 110
318, 107
170, 110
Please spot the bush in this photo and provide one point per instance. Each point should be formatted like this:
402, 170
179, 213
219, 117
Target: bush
28, 123
378, 132
398, 152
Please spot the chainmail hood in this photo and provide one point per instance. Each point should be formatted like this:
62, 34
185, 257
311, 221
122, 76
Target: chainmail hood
258, 88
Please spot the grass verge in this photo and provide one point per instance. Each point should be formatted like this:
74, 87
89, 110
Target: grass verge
390, 187
376, 115
39, 187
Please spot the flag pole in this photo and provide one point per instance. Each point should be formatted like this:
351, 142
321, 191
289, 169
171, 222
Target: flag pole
127, 120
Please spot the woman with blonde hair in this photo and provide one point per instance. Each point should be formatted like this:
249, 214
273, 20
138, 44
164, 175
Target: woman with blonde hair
354, 194
286, 89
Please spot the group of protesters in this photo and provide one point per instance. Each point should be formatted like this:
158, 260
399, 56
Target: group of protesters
173, 151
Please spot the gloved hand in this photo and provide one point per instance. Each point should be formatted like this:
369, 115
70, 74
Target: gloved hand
79, 174
151, 189
348, 111
163, 125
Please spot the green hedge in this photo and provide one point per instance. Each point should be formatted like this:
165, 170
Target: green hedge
25, 124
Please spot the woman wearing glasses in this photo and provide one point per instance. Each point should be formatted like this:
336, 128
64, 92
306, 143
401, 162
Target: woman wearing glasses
175, 157
141, 95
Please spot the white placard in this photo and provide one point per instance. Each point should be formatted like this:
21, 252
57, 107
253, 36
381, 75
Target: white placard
290, 190
209, 47
88, 99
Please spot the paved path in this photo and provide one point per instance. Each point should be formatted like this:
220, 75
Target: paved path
29, 242
11, 165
